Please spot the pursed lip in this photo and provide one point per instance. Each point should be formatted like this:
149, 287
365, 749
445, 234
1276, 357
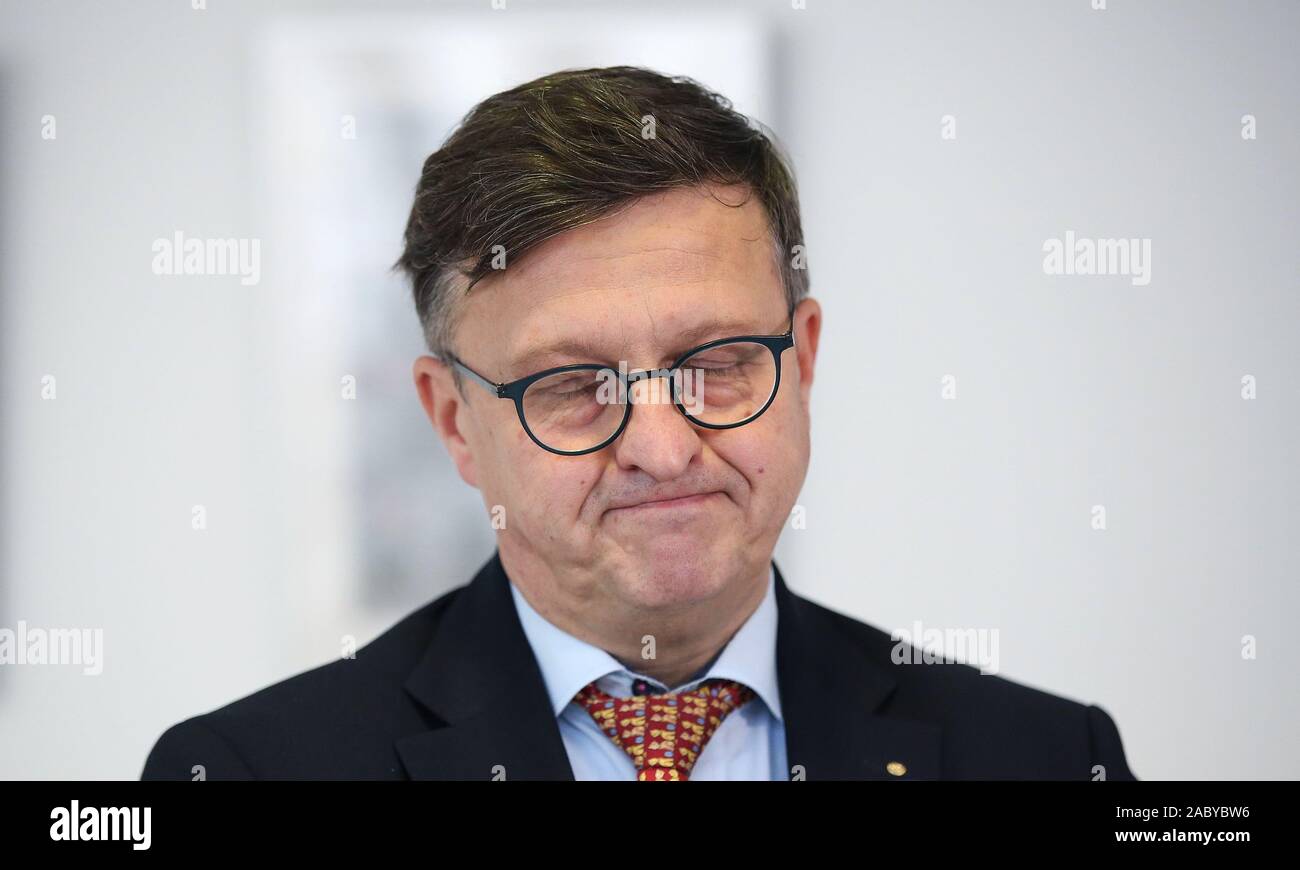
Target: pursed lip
667, 502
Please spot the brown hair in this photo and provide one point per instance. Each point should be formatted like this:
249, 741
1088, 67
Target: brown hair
567, 149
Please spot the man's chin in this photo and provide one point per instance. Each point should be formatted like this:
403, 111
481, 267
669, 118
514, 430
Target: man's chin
675, 570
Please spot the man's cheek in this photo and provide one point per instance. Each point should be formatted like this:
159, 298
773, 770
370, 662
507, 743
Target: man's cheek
759, 454
555, 499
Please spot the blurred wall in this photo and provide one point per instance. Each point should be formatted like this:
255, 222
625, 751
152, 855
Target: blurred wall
1068, 392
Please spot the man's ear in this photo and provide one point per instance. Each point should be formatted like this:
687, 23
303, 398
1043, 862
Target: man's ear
447, 410
807, 328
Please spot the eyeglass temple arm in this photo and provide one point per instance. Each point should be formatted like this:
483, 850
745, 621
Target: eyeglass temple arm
495, 388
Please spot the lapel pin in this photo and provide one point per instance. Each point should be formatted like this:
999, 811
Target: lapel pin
896, 768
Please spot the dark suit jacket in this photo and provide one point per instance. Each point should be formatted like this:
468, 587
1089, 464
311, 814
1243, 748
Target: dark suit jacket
453, 690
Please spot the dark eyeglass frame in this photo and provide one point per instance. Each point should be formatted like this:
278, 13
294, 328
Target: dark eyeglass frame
514, 390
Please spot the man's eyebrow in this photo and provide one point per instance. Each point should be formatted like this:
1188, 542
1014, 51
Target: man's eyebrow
566, 351
555, 353
685, 339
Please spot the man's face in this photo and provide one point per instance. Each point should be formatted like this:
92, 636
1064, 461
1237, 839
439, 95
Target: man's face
666, 274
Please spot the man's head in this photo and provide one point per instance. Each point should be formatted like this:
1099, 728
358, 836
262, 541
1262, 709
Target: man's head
614, 216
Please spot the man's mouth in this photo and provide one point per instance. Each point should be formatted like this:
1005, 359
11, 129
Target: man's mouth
684, 502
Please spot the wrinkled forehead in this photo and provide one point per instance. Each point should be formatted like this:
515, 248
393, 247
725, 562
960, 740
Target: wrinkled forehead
662, 274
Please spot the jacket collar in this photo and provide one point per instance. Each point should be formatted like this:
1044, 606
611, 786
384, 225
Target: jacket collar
480, 679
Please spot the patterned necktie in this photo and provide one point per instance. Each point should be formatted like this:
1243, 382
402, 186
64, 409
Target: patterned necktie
664, 734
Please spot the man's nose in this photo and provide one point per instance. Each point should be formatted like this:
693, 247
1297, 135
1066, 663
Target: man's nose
658, 439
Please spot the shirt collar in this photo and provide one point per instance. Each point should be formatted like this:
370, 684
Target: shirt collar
568, 663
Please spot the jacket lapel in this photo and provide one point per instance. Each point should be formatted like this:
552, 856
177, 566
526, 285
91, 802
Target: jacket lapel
831, 692
480, 677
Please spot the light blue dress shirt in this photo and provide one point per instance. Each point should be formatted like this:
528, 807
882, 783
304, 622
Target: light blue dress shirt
748, 745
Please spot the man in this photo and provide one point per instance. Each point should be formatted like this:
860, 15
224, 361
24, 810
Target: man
608, 268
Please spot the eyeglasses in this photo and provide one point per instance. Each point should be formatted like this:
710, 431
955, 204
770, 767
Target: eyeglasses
577, 409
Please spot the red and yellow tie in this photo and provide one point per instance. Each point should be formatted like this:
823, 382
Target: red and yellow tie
664, 734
